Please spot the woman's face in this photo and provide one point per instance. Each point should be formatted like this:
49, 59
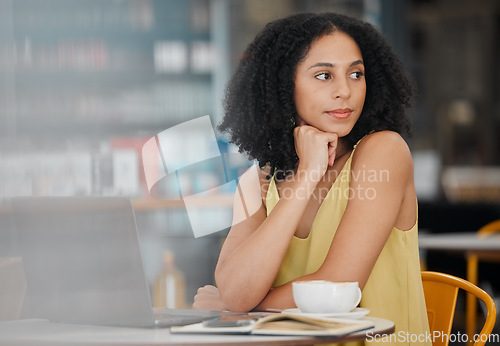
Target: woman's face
330, 86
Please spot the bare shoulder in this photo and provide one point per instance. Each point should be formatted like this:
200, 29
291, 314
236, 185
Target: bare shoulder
383, 146
383, 140
384, 150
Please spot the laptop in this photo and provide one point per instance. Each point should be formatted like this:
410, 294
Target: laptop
83, 264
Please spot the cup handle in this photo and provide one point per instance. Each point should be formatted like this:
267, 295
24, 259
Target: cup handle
359, 297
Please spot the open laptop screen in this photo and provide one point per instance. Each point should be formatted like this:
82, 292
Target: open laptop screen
82, 260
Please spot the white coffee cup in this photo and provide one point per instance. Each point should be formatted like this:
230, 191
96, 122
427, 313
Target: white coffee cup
319, 296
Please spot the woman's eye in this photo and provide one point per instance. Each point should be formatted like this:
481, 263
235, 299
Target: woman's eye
356, 75
323, 76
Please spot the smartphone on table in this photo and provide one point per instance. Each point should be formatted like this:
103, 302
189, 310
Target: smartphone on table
233, 320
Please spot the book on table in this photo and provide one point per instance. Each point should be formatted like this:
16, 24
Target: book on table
278, 324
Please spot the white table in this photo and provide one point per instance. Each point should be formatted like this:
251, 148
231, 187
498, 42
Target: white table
468, 243
463, 242
43, 332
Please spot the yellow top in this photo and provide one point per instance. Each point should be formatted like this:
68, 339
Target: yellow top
394, 288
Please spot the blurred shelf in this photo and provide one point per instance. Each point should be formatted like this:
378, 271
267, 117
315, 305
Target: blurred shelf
105, 68
33, 78
89, 130
215, 201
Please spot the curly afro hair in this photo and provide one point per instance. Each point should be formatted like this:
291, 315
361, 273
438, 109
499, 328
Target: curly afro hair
259, 105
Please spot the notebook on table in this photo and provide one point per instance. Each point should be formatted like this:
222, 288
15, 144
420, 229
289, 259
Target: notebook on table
83, 264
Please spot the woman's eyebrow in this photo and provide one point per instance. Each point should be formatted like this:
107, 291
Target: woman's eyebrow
357, 62
321, 64
329, 64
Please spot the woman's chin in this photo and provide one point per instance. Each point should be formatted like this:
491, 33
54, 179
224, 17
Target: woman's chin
340, 131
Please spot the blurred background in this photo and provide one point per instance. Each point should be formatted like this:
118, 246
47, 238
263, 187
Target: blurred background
85, 84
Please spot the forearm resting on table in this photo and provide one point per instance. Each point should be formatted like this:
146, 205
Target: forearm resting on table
278, 298
281, 297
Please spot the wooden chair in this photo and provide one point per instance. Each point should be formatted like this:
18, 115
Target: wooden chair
473, 259
441, 291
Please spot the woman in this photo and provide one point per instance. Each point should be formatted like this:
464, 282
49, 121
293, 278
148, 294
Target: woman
319, 101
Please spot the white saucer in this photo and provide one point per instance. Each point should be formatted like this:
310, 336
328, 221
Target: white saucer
355, 314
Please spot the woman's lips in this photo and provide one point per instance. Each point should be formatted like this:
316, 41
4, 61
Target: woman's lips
340, 113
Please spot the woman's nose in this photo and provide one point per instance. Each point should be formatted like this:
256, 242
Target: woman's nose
341, 89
